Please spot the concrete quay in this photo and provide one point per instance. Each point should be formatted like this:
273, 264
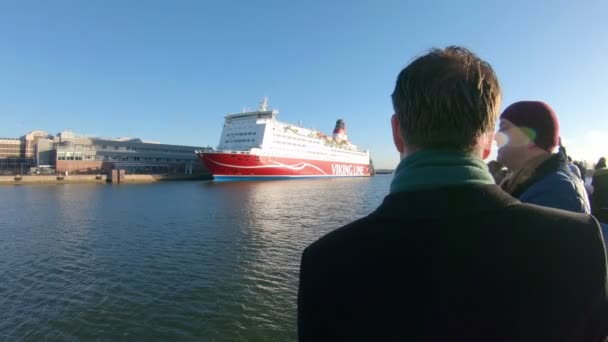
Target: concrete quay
133, 178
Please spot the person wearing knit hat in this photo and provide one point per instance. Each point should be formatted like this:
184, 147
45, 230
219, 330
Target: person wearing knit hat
527, 139
448, 255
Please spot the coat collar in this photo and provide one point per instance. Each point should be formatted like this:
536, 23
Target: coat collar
462, 200
554, 163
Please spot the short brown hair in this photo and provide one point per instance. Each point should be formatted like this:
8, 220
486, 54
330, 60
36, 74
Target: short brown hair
446, 99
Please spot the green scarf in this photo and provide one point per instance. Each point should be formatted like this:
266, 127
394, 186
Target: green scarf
438, 168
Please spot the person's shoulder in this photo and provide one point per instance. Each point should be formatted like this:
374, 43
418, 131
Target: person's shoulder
560, 181
524, 217
543, 217
564, 175
552, 229
343, 236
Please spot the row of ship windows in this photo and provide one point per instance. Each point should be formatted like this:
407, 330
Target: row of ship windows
288, 143
285, 149
315, 141
346, 151
242, 133
237, 124
239, 140
312, 152
302, 145
299, 139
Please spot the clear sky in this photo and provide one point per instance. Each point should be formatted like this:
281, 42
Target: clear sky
170, 70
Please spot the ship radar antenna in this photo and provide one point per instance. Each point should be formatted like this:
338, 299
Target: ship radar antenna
264, 104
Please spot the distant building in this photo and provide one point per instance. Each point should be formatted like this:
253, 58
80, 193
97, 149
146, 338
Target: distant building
10, 148
67, 152
18, 155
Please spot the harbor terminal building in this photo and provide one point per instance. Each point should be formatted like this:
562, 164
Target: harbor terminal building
39, 152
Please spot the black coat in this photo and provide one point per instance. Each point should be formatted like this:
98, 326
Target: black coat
466, 263
599, 199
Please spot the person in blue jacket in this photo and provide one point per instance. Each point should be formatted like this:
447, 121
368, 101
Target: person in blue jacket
599, 199
527, 136
448, 255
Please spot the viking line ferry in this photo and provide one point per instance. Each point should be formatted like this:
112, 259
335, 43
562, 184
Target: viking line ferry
256, 145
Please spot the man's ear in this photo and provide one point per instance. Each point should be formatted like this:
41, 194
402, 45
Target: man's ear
397, 138
486, 143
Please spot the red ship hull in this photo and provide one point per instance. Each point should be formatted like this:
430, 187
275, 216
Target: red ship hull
239, 166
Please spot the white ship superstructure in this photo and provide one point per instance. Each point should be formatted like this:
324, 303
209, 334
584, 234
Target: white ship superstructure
260, 135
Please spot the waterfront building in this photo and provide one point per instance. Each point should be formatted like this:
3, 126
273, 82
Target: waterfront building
10, 148
18, 155
71, 153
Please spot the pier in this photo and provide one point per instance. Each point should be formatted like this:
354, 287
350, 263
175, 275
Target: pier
126, 178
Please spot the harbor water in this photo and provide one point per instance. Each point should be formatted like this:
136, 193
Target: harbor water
167, 261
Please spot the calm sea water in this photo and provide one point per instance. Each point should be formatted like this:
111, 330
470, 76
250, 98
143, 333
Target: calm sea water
167, 261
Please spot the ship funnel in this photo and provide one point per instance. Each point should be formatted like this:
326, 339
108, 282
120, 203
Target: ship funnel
340, 131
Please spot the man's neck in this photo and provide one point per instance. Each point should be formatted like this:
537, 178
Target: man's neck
531, 155
409, 150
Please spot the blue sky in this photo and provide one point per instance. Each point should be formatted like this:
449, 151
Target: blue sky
170, 70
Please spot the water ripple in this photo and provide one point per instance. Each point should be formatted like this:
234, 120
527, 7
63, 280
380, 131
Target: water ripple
169, 261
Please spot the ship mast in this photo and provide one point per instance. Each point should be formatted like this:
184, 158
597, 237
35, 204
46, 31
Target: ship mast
263, 106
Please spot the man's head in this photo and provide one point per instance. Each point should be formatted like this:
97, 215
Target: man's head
446, 99
601, 163
527, 129
494, 166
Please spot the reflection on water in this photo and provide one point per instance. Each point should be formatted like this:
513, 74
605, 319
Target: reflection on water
183, 260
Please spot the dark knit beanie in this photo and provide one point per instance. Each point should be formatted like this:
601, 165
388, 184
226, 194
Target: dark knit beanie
537, 119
